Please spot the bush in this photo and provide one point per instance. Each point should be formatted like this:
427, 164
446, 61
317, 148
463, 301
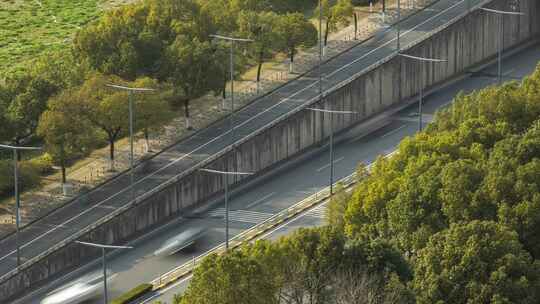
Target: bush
43, 164
133, 294
29, 174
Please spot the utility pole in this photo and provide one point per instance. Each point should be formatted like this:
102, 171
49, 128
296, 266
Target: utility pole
103, 262
421, 95
131, 132
16, 150
501, 36
232, 41
226, 174
332, 113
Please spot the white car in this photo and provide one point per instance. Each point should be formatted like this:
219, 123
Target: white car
179, 242
83, 289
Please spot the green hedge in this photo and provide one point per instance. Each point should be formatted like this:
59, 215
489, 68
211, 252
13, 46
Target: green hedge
133, 294
29, 174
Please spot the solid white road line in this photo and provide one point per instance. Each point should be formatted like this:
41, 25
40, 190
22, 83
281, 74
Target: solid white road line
238, 126
328, 165
394, 131
260, 200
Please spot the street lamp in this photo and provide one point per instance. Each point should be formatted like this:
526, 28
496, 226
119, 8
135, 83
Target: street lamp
130, 98
15, 150
398, 25
501, 35
226, 174
103, 248
332, 113
421, 95
232, 41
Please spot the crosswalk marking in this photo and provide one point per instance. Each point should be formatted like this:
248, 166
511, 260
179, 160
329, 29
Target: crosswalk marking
318, 212
245, 216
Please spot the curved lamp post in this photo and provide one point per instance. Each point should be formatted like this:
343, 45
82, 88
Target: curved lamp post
226, 174
16, 150
103, 254
131, 114
421, 95
332, 113
501, 36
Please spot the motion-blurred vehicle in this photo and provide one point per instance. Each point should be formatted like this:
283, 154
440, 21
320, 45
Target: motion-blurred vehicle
78, 291
181, 241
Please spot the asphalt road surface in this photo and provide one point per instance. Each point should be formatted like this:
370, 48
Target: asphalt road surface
67, 222
280, 191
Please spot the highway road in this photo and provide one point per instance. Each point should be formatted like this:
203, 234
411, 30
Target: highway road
69, 222
280, 191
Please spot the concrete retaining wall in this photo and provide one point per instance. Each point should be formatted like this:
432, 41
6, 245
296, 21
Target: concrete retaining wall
465, 43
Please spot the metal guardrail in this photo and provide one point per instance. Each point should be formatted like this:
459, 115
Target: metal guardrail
254, 232
246, 236
174, 179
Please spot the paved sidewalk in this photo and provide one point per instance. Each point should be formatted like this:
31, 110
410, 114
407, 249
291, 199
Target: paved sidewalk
93, 170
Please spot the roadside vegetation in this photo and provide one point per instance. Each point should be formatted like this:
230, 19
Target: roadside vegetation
453, 217
55, 96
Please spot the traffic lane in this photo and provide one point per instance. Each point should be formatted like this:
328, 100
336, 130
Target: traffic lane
519, 65
138, 266
258, 123
271, 201
305, 220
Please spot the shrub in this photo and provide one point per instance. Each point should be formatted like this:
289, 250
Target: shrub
133, 294
43, 164
29, 176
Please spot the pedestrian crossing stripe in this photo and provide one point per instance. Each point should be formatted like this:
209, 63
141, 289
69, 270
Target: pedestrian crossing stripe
245, 216
319, 212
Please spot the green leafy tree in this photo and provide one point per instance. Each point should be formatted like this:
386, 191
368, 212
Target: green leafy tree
193, 71
261, 27
119, 43
311, 256
480, 262
105, 109
231, 278
151, 111
295, 31
65, 136
337, 206
335, 13
24, 99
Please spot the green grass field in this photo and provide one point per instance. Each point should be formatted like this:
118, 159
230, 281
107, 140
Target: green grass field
29, 27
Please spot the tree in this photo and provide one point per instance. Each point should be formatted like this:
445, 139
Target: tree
311, 256
24, 99
337, 206
295, 31
65, 136
105, 109
335, 12
479, 262
151, 111
260, 26
191, 68
231, 278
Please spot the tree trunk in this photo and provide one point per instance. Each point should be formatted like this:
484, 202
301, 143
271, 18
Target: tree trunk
146, 141
224, 93
111, 153
186, 113
291, 66
259, 69
63, 164
355, 26
326, 31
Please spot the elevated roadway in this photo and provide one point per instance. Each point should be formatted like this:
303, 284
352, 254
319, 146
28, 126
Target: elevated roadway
75, 218
282, 190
